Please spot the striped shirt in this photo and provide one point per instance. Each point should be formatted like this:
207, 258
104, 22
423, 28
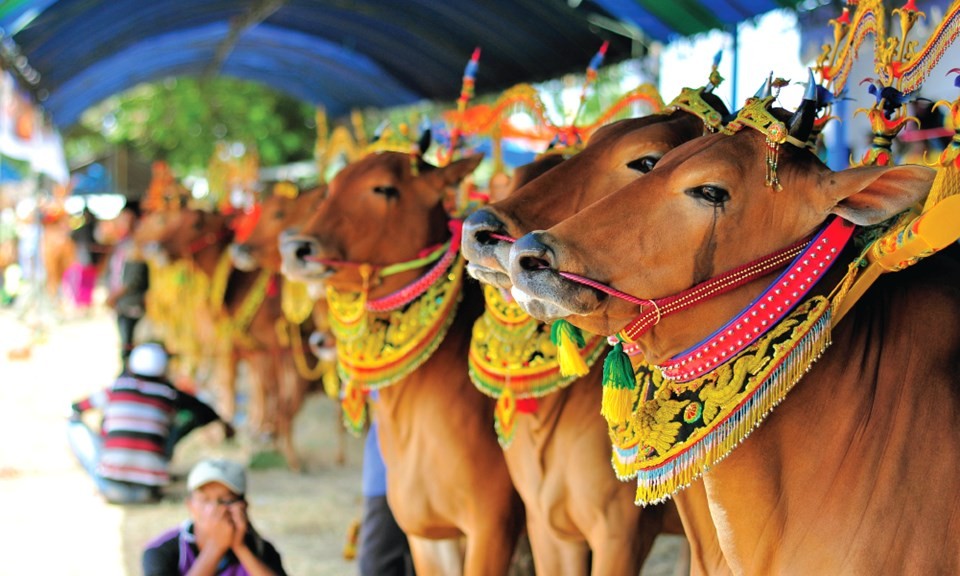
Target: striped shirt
138, 414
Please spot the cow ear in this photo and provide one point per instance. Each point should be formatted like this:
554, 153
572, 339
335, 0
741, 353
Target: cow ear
872, 194
454, 172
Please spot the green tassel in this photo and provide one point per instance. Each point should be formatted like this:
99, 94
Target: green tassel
619, 386
569, 340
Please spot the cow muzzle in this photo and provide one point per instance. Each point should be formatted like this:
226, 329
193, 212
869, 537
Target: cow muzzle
298, 255
485, 248
539, 288
242, 256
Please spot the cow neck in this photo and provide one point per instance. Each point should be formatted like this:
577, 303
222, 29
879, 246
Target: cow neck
380, 342
205, 241
766, 311
207, 251
678, 428
678, 431
250, 297
513, 359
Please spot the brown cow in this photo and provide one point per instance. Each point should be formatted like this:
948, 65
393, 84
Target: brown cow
246, 307
616, 154
580, 518
57, 249
178, 301
446, 477
260, 249
856, 471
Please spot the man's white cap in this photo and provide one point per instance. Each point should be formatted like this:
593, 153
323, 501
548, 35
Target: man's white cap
230, 474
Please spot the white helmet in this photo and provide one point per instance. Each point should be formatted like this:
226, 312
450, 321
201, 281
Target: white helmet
148, 360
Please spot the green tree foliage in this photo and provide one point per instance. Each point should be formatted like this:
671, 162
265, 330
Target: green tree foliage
180, 120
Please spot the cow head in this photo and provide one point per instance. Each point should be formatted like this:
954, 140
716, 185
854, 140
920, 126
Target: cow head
615, 155
706, 208
151, 228
382, 209
191, 231
260, 245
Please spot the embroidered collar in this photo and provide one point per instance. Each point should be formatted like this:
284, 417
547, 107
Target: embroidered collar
513, 359
376, 349
677, 431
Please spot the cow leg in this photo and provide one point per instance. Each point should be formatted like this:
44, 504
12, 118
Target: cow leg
437, 557
258, 409
292, 389
490, 548
225, 373
622, 549
706, 557
551, 555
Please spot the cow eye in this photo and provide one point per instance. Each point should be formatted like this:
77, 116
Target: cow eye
712, 194
644, 164
279, 215
388, 191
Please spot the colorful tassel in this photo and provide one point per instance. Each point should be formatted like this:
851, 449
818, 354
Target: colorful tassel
353, 537
619, 386
505, 418
331, 382
354, 409
569, 340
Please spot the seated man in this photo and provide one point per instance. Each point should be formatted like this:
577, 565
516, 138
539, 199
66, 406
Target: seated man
144, 416
218, 538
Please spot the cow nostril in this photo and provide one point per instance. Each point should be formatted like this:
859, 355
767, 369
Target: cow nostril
484, 227
531, 263
485, 237
303, 250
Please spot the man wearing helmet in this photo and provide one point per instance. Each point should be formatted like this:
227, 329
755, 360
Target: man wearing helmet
142, 413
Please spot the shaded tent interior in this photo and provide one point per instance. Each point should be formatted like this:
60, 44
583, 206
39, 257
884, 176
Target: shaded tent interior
121, 171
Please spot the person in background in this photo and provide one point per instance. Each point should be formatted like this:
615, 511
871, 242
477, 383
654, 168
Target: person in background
81, 276
219, 537
144, 416
128, 279
383, 549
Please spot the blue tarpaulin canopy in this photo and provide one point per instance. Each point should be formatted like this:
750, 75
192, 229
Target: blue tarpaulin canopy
341, 54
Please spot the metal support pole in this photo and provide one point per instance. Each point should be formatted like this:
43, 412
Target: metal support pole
735, 41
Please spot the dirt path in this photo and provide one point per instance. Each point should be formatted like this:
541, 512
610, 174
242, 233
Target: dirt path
52, 521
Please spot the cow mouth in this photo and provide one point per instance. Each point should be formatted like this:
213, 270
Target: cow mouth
155, 253
489, 276
547, 296
323, 346
539, 287
299, 260
243, 259
486, 247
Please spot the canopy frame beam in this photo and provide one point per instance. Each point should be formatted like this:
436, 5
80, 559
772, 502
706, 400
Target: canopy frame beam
259, 11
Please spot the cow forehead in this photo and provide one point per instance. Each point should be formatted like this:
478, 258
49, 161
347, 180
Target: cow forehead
619, 129
377, 164
618, 142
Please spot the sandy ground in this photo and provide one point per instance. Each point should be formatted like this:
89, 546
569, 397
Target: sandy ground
52, 521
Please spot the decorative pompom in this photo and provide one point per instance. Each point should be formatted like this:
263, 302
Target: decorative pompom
619, 385
569, 340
